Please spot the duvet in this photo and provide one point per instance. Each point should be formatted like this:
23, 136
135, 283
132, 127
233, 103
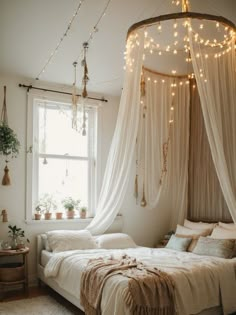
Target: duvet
201, 282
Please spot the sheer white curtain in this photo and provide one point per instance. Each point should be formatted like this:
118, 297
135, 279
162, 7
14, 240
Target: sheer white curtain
216, 80
121, 153
162, 93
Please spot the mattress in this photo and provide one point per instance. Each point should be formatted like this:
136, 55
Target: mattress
45, 257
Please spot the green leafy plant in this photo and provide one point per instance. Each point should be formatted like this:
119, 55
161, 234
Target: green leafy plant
46, 204
9, 144
83, 209
70, 204
15, 232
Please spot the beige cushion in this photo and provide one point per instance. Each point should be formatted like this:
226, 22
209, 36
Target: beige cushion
221, 233
198, 225
228, 226
182, 231
64, 240
214, 247
227, 234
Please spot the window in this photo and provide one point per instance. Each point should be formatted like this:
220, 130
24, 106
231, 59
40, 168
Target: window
61, 161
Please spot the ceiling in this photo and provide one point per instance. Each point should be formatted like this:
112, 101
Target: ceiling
31, 29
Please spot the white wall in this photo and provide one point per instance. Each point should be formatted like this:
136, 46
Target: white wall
13, 197
145, 226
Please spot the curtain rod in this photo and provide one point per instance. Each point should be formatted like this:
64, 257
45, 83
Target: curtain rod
29, 87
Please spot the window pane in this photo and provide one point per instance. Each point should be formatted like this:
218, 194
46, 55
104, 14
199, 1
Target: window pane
56, 135
63, 178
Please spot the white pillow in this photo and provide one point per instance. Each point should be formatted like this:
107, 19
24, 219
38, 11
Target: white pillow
63, 240
182, 230
228, 226
221, 233
115, 241
198, 225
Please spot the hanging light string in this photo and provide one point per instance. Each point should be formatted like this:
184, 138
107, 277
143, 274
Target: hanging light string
95, 29
74, 99
61, 40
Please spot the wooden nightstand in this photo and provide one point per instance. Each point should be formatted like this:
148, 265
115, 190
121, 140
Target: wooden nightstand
162, 243
13, 273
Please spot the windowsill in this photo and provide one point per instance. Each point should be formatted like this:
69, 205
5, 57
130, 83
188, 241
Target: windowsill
55, 221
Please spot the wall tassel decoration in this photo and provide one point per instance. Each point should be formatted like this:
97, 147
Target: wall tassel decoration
6, 179
143, 201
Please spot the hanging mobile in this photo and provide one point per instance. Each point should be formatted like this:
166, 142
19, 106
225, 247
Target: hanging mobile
9, 144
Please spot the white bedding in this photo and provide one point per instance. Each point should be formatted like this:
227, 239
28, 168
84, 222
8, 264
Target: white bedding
201, 281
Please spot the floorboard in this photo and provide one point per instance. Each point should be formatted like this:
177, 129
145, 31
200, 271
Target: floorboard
39, 291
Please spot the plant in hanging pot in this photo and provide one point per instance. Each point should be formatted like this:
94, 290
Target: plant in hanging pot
9, 144
83, 212
70, 205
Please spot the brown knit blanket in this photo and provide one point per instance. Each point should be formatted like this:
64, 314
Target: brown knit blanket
149, 292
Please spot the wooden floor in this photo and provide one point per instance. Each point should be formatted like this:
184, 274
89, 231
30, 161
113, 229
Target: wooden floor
39, 291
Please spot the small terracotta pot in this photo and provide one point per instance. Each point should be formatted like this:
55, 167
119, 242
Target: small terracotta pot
70, 214
47, 215
59, 215
82, 214
37, 216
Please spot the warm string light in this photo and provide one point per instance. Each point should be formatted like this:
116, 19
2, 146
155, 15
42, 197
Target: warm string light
95, 28
53, 53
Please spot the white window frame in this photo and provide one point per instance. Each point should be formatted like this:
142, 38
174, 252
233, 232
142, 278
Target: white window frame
32, 155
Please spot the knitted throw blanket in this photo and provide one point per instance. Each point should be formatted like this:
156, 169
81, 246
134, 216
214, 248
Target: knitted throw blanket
149, 292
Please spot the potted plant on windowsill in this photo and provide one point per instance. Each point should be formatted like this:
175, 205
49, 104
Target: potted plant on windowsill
70, 205
38, 212
83, 212
47, 205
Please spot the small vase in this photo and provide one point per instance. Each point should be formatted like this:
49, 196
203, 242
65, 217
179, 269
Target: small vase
14, 242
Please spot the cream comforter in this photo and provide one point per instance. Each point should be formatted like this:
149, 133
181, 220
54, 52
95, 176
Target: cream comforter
201, 282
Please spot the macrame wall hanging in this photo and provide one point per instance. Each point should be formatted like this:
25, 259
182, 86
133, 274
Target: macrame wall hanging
9, 144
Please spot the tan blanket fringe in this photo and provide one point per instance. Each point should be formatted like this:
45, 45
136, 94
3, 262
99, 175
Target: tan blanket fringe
139, 297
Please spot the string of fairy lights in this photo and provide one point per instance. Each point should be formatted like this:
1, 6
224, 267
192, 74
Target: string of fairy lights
65, 34
171, 37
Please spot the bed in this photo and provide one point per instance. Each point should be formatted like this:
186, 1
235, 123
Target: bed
203, 284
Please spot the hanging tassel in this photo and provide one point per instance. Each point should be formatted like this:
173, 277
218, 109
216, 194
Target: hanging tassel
136, 187
143, 201
6, 179
4, 216
142, 86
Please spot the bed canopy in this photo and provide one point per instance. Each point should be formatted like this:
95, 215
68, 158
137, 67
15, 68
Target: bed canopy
167, 59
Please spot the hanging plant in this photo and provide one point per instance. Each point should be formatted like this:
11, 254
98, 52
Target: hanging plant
9, 144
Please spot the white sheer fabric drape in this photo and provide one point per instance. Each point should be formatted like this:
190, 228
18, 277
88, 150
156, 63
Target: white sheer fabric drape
163, 92
216, 80
121, 153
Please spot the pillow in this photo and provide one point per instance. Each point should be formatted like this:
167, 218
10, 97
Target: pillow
214, 247
198, 225
178, 243
221, 233
63, 240
228, 226
115, 241
182, 231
